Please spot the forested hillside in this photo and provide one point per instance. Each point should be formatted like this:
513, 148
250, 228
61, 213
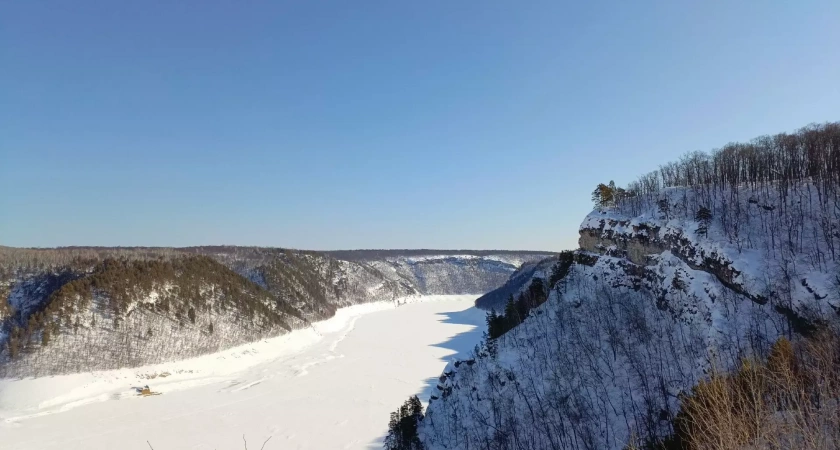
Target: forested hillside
81, 308
518, 281
708, 265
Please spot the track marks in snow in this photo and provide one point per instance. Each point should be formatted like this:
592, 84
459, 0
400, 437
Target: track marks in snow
248, 385
347, 375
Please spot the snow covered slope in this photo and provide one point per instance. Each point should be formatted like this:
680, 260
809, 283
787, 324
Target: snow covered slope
121, 313
319, 282
73, 310
451, 274
655, 298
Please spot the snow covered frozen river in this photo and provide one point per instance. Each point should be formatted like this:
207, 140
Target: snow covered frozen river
332, 386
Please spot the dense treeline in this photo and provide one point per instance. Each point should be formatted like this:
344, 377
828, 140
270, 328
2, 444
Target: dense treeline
186, 281
786, 186
13, 259
289, 275
27, 259
177, 288
300, 276
64, 290
777, 162
516, 310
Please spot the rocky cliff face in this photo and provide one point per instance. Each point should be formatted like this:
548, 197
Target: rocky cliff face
75, 310
653, 300
768, 260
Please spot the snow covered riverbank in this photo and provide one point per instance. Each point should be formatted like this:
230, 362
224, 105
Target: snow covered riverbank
328, 386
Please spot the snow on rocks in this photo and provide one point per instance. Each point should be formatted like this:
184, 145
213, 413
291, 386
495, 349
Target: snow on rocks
655, 300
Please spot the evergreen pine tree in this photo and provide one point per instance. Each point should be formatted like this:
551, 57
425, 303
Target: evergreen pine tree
561, 267
512, 317
537, 292
402, 428
704, 217
596, 196
524, 303
493, 324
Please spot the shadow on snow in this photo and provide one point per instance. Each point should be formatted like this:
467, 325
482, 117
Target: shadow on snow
462, 344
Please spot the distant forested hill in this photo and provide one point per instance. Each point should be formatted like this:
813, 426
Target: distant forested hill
81, 308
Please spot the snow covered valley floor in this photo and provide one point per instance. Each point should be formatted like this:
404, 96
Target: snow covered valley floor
331, 386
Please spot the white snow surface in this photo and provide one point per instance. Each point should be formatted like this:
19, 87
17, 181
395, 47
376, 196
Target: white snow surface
330, 386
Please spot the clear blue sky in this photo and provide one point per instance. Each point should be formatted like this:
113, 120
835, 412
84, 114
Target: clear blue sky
387, 124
